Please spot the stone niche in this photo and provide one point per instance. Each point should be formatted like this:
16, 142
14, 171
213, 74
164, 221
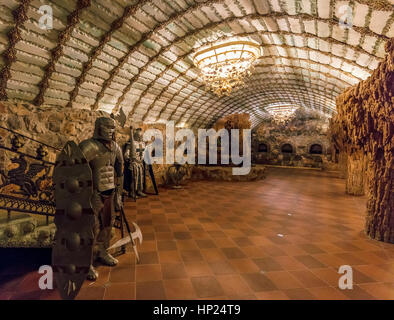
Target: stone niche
300, 142
363, 130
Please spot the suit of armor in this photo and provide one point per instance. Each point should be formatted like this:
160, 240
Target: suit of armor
105, 159
88, 181
134, 157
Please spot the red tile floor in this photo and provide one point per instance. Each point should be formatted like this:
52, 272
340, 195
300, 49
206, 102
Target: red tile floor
281, 238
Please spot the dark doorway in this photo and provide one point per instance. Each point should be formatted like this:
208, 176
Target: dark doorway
263, 147
316, 149
287, 148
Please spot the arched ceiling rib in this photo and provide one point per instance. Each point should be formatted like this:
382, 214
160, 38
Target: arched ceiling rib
181, 57
328, 85
136, 54
266, 62
294, 94
268, 68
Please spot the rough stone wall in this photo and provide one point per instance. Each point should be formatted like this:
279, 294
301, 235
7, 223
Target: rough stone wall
342, 164
356, 173
235, 120
238, 121
365, 122
301, 132
352, 164
55, 126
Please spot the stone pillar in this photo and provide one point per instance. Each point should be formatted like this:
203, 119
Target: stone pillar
342, 164
365, 124
356, 173
380, 206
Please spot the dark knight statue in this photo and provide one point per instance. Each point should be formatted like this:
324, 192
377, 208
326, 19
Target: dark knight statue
134, 159
89, 182
106, 161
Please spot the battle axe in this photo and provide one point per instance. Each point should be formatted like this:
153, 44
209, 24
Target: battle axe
132, 236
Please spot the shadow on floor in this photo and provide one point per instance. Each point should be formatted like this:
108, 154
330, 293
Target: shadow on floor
18, 261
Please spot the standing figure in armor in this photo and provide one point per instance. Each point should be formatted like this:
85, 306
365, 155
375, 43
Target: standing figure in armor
134, 157
106, 161
88, 190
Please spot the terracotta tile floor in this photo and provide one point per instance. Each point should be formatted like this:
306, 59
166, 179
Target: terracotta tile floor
281, 238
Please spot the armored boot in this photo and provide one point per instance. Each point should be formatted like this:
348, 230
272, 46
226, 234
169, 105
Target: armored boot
93, 274
140, 194
104, 257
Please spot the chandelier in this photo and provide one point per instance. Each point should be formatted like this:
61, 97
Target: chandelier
281, 114
224, 65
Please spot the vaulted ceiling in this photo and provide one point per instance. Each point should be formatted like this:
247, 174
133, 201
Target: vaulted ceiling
136, 55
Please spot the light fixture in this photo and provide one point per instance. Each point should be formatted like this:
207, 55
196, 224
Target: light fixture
225, 64
281, 114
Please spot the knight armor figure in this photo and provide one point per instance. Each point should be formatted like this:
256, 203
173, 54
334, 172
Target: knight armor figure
106, 161
88, 189
134, 158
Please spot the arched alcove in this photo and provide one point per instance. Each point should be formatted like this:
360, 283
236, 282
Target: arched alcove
263, 147
287, 148
316, 148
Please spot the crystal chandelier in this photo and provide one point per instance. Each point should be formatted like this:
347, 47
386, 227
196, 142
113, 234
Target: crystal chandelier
281, 114
224, 65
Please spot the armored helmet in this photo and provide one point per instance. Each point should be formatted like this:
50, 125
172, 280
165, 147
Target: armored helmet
137, 134
104, 129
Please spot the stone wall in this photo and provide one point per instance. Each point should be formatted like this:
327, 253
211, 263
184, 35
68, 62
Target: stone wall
56, 126
356, 173
237, 121
233, 121
364, 127
303, 130
352, 163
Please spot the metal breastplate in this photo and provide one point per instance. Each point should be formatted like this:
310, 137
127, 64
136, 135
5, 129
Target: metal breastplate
103, 170
139, 151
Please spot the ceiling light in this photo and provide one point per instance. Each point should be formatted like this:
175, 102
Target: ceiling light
224, 65
281, 114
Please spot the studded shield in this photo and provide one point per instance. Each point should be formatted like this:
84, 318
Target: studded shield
75, 221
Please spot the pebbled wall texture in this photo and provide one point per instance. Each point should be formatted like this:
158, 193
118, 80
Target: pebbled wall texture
55, 126
302, 131
364, 127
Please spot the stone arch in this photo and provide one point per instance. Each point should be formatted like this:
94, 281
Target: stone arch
287, 148
263, 147
316, 148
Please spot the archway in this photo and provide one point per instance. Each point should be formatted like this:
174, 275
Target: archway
287, 148
263, 147
316, 149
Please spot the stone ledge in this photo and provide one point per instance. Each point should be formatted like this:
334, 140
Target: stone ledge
222, 173
24, 231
